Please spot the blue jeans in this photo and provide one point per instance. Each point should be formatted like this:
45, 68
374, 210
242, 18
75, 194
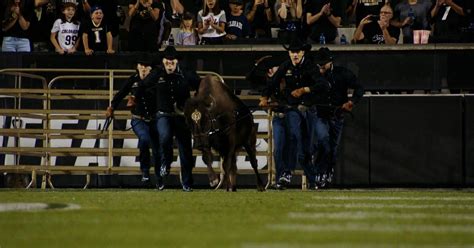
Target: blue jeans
14, 44
280, 146
300, 125
328, 132
147, 138
187, 161
165, 139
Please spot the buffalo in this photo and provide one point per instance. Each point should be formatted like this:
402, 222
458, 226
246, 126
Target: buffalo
219, 120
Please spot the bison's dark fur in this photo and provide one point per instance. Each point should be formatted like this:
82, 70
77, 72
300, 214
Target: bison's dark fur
220, 120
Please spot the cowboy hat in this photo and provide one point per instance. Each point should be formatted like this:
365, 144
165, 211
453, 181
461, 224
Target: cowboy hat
297, 45
323, 56
171, 53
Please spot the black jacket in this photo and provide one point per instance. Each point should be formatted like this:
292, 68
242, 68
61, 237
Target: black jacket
337, 82
295, 77
171, 89
144, 99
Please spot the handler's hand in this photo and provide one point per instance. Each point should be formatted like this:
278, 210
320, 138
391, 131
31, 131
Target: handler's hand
109, 112
299, 92
263, 102
348, 106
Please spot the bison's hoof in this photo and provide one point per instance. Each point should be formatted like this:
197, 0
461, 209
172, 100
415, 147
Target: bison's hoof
214, 183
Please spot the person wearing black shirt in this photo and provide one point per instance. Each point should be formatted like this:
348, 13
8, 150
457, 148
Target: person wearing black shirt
172, 85
330, 106
142, 105
15, 26
375, 29
323, 18
96, 35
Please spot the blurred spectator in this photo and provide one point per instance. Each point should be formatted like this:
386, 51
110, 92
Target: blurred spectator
187, 35
211, 23
348, 15
260, 16
237, 26
374, 29
96, 35
173, 12
447, 20
323, 18
41, 22
289, 13
412, 16
2, 11
65, 32
143, 32
15, 25
364, 8
111, 11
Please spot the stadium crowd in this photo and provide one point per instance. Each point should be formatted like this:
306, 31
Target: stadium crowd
67, 26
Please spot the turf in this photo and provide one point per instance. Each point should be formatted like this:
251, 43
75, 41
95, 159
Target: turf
247, 218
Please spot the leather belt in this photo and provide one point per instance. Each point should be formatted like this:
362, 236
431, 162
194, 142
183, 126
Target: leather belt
139, 117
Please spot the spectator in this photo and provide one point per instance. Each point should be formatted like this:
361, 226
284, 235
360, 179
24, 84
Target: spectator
237, 26
367, 7
323, 18
187, 35
289, 16
412, 16
15, 26
143, 32
375, 29
96, 35
330, 107
211, 23
65, 32
447, 20
260, 16
174, 12
111, 11
41, 22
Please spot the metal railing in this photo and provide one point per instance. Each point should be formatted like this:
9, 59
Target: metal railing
48, 94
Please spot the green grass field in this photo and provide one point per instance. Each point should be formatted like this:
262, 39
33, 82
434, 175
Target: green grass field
247, 218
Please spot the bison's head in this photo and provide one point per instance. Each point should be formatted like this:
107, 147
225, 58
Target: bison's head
197, 112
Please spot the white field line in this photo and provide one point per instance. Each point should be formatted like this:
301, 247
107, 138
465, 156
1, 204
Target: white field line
340, 244
359, 215
360, 227
34, 206
387, 205
394, 198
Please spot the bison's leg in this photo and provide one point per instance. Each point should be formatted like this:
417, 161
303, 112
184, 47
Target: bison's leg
207, 157
252, 152
230, 170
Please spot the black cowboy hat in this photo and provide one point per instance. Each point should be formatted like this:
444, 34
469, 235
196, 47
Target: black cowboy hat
145, 59
297, 45
323, 56
267, 62
171, 53
261, 67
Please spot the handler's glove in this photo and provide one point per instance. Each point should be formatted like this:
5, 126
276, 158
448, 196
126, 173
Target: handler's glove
263, 102
299, 92
109, 112
348, 106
